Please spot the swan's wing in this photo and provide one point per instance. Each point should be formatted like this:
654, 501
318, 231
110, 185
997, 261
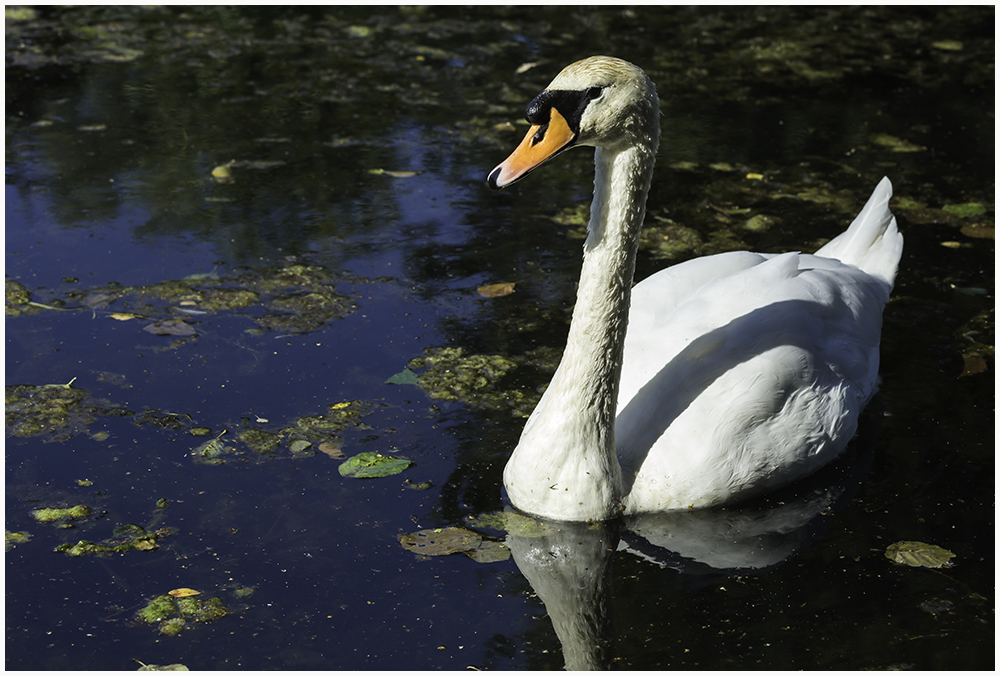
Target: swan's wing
758, 376
655, 297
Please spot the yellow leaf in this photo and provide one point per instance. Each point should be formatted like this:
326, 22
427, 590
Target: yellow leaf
182, 592
394, 174
496, 290
124, 316
343, 404
755, 177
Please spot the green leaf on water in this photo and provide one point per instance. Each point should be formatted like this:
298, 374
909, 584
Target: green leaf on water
489, 552
369, 464
440, 541
919, 554
965, 210
404, 377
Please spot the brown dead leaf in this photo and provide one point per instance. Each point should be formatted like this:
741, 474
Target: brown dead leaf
496, 290
332, 450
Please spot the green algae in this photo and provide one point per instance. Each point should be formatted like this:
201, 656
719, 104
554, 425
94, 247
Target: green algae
17, 299
259, 441
213, 452
450, 374
296, 298
173, 615
12, 539
126, 538
50, 514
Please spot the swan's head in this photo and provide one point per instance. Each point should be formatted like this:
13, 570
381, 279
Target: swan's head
600, 101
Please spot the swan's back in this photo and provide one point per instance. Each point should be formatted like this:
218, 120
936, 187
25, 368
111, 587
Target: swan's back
745, 371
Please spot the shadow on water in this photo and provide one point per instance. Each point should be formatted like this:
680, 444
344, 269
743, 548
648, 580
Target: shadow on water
228, 228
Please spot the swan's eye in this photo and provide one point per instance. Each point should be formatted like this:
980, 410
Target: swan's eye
594, 92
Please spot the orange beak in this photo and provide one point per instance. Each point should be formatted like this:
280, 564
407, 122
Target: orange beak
542, 143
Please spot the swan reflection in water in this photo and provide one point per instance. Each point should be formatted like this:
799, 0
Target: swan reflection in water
569, 564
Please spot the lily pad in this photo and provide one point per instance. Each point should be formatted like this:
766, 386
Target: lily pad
369, 465
919, 554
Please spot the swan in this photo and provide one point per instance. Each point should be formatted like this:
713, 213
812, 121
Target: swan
711, 381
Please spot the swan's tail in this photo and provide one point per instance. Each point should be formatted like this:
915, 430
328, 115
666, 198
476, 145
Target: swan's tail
873, 242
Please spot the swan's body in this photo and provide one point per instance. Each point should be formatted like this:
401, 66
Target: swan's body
729, 375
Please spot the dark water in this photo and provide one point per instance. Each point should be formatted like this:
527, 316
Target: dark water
116, 118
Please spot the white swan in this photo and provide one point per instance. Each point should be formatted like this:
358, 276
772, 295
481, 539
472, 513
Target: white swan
738, 372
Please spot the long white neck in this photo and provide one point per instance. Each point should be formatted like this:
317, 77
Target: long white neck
565, 466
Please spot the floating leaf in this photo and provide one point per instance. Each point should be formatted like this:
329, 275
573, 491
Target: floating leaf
919, 554
162, 667
332, 450
211, 452
513, 523
49, 514
418, 486
170, 327
145, 545
948, 45
489, 552
394, 174
299, 445
222, 174
359, 31
96, 298
368, 465
440, 541
12, 539
896, 145
496, 290
965, 210
257, 164
197, 277
404, 377
182, 592
125, 316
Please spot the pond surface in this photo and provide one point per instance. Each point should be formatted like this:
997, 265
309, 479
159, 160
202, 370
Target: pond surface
228, 228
